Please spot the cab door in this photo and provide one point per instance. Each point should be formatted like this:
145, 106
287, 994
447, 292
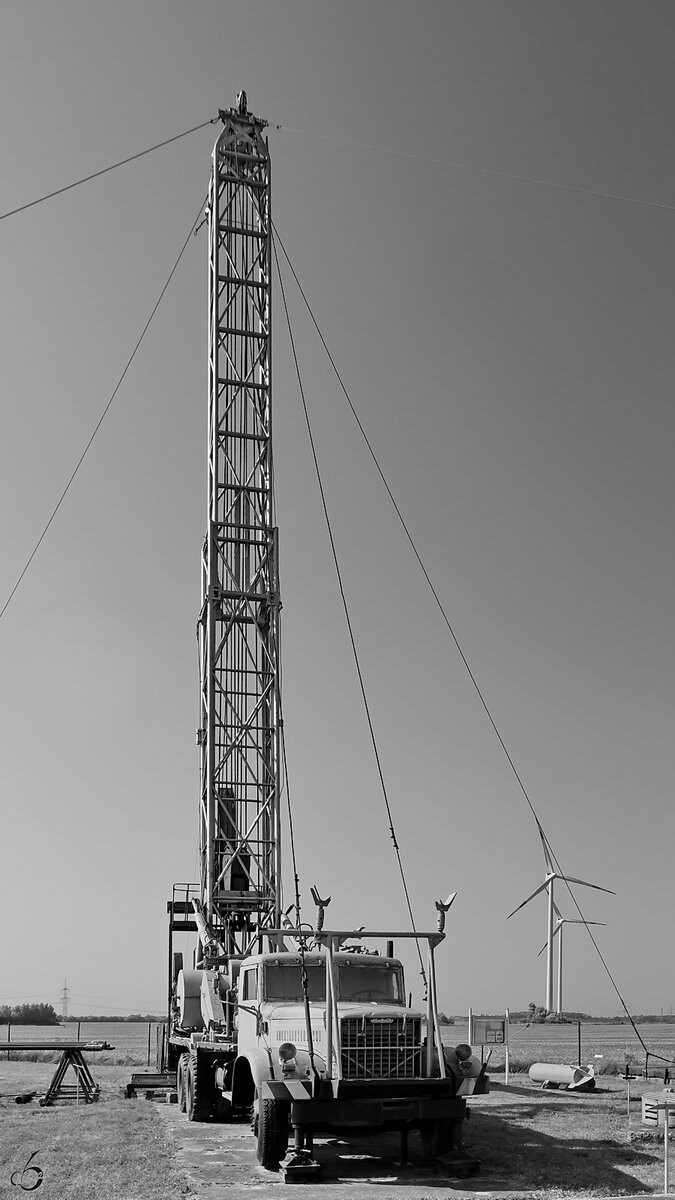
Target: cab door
248, 1008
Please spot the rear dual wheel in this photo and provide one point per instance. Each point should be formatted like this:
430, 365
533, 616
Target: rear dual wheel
180, 1081
197, 1097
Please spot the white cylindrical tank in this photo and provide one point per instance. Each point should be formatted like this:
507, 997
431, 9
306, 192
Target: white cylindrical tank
188, 994
571, 1077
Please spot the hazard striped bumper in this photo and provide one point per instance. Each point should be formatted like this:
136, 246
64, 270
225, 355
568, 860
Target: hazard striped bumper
353, 1107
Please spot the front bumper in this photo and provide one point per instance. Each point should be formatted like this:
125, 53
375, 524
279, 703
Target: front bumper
348, 1104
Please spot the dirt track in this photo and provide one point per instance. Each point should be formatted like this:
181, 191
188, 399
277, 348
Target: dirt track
533, 1144
220, 1161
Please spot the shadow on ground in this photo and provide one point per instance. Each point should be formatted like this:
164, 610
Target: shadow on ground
525, 1150
514, 1155
513, 1162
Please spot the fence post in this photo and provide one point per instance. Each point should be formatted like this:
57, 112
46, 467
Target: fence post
9, 1034
579, 1041
149, 1034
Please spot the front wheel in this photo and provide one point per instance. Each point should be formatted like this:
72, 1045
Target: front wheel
272, 1132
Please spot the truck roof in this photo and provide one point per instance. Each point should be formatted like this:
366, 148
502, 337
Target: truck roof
318, 958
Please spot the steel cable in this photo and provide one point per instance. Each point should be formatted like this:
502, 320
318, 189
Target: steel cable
456, 642
12, 212
345, 606
103, 415
477, 170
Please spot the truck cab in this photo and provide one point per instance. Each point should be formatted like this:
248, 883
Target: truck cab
328, 1043
272, 1013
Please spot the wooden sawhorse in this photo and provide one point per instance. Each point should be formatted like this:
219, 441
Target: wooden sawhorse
84, 1088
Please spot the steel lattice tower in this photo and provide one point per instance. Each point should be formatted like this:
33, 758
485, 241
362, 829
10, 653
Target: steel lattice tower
65, 997
238, 626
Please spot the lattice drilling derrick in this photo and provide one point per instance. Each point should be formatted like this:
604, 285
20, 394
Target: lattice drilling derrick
239, 620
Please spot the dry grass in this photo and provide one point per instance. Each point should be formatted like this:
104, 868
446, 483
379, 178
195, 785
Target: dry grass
541, 1144
557, 1143
112, 1150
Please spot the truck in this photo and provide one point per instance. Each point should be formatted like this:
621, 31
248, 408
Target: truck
296, 1028
319, 1038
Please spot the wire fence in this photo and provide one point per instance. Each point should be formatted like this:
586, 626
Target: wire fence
610, 1047
132, 1042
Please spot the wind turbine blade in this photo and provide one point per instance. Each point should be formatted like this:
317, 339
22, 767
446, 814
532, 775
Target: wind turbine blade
541, 888
545, 945
584, 883
576, 921
547, 852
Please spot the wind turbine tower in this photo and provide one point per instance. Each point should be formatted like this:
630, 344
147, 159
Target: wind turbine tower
547, 886
558, 933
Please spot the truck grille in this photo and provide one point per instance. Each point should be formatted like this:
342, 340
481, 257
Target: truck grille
381, 1048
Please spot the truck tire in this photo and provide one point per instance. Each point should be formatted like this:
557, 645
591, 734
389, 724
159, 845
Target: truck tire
197, 1105
437, 1137
273, 1116
180, 1081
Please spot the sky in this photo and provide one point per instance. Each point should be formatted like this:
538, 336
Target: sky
508, 347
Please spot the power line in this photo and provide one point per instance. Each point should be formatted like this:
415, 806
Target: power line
103, 414
104, 170
140, 1008
462, 166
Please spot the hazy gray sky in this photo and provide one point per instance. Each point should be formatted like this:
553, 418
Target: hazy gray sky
509, 349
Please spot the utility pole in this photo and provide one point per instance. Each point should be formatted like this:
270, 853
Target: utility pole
65, 998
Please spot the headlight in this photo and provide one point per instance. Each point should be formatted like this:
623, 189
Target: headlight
286, 1052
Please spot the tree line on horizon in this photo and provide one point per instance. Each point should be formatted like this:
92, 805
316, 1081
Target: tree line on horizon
45, 1014
28, 1014
536, 1014
145, 1018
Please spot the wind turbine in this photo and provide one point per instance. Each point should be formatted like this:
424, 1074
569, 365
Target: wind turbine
558, 932
547, 886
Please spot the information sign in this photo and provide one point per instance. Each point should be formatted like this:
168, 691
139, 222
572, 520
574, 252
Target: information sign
489, 1031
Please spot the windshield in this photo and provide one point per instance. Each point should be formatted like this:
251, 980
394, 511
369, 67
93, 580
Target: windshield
367, 983
285, 982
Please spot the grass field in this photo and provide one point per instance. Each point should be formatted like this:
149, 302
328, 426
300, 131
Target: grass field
113, 1150
130, 1040
543, 1145
547, 1144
